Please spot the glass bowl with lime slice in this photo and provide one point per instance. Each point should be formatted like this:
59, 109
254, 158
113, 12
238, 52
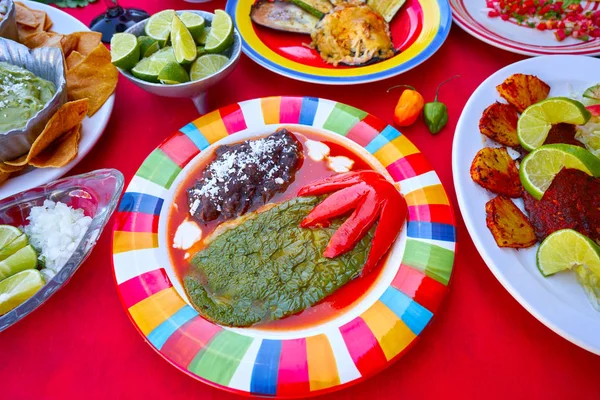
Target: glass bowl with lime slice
178, 53
25, 283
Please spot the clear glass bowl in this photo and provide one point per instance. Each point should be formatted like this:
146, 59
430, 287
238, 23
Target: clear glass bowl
96, 192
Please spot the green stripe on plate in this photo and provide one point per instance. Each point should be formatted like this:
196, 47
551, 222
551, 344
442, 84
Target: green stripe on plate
219, 361
343, 118
435, 261
159, 168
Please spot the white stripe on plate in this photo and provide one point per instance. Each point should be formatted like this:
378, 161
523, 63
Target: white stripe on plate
243, 374
420, 181
253, 115
347, 370
324, 110
141, 185
134, 263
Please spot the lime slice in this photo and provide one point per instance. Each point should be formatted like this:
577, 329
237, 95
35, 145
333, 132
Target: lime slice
182, 41
566, 249
194, 23
220, 36
25, 258
149, 68
148, 46
124, 50
540, 167
201, 39
591, 284
172, 74
15, 290
159, 25
592, 92
14, 246
8, 234
207, 65
536, 121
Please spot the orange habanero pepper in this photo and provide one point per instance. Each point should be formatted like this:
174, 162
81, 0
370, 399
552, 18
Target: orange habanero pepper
410, 104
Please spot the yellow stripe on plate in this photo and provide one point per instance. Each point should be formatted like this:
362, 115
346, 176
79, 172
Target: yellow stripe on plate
433, 194
211, 126
270, 109
156, 309
395, 150
322, 368
127, 241
391, 332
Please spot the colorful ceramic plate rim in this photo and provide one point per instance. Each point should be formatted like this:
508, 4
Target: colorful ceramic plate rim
436, 26
470, 15
92, 128
253, 363
559, 301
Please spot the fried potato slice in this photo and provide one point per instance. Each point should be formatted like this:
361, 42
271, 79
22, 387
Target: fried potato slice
509, 226
522, 90
494, 170
499, 123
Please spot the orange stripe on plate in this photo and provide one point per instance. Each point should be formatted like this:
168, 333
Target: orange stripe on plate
270, 108
392, 334
211, 126
433, 194
322, 368
128, 241
395, 150
156, 309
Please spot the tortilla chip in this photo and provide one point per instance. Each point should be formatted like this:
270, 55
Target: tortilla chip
44, 39
48, 23
69, 44
25, 31
5, 168
66, 118
60, 153
4, 177
25, 16
87, 41
94, 78
40, 17
74, 58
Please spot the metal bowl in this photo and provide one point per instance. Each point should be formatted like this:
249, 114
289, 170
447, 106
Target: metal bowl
46, 63
8, 26
195, 90
97, 193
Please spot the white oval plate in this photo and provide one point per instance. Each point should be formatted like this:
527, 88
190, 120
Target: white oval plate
559, 301
471, 16
91, 129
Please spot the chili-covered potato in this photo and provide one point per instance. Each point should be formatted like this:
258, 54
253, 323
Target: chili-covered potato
522, 90
499, 123
494, 170
509, 226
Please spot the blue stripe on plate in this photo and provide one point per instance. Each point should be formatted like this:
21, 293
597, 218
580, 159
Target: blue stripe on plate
192, 132
309, 109
140, 202
266, 366
410, 312
431, 230
161, 333
388, 134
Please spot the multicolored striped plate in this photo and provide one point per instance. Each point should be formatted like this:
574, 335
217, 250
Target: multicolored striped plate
325, 356
471, 15
418, 30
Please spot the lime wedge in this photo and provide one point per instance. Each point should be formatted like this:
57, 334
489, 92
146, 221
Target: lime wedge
220, 36
539, 167
172, 74
182, 41
25, 258
194, 23
566, 249
14, 246
536, 121
591, 284
207, 65
148, 46
149, 68
201, 39
592, 92
124, 50
159, 25
8, 234
15, 290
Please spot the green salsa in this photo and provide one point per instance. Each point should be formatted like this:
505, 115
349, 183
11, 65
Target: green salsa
267, 267
22, 95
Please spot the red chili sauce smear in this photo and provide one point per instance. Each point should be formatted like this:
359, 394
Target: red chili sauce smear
309, 171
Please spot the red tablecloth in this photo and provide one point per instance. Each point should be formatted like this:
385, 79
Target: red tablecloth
483, 344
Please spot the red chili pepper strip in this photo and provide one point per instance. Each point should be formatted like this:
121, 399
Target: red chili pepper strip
335, 205
336, 182
372, 197
393, 213
355, 227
